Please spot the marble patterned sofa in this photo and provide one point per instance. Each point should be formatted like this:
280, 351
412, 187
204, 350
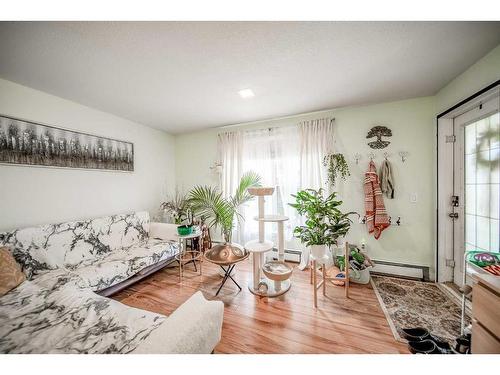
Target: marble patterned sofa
58, 308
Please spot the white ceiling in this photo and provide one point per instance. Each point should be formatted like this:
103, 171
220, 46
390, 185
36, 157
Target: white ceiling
184, 76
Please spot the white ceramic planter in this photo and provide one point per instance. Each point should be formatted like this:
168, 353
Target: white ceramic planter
319, 251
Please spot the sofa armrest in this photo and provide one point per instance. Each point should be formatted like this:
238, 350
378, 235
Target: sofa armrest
163, 231
194, 328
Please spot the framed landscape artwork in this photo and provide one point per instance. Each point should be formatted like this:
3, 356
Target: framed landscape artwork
29, 143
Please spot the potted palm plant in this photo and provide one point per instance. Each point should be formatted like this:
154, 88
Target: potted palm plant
324, 223
220, 211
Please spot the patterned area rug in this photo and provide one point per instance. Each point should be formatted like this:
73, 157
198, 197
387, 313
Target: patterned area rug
409, 304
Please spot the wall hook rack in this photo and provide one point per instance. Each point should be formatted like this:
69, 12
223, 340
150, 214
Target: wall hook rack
397, 223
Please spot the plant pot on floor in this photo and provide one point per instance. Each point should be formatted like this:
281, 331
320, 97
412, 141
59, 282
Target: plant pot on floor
359, 276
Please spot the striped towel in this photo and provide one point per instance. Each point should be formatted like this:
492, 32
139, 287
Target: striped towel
376, 215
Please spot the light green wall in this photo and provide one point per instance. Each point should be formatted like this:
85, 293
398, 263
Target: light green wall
412, 123
481, 74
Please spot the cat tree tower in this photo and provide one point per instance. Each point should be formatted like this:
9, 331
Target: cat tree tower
277, 273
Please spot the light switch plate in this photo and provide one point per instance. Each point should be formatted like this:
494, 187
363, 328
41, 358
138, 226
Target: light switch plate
413, 197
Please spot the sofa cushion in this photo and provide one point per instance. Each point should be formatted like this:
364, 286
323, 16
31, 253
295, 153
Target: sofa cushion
10, 272
74, 244
123, 264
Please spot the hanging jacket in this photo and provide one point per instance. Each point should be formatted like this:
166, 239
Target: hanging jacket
376, 216
386, 179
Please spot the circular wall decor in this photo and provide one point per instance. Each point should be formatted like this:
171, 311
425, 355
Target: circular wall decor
379, 132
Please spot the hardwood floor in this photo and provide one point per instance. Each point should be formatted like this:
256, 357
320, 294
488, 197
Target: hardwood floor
287, 324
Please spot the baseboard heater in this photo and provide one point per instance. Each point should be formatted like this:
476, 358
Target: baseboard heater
290, 255
410, 271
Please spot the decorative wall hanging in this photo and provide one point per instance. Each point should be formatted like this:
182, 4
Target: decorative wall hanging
29, 143
379, 132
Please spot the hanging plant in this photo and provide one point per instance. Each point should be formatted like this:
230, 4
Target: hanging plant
337, 166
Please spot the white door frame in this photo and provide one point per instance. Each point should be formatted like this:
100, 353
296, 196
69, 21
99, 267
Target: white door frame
445, 178
450, 144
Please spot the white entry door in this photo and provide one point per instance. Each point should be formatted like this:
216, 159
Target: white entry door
468, 197
477, 182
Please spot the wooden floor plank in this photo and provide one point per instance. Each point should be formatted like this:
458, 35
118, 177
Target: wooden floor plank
286, 324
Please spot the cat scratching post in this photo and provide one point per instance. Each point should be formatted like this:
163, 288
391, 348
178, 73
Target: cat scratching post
278, 272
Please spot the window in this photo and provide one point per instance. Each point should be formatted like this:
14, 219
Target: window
288, 158
274, 154
482, 183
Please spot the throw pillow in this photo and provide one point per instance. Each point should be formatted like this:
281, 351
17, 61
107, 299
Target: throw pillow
10, 272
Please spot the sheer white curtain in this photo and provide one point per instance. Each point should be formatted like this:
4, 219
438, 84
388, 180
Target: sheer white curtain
316, 141
288, 158
273, 154
230, 149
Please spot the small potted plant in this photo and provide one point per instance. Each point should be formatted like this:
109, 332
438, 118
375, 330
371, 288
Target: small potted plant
336, 167
359, 263
178, 208
324, 222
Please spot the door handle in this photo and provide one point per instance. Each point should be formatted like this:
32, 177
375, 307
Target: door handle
453, 215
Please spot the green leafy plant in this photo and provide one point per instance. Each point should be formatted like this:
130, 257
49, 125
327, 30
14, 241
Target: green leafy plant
324, 223
355, 254
336, 166
178, 207
220, 212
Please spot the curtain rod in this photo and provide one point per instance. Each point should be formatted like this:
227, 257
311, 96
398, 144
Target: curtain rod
332, 119
276, 118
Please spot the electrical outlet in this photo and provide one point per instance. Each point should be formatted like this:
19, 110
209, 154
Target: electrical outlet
413, 197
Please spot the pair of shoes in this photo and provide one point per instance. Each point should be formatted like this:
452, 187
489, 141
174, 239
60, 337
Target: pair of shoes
463, 344
429, 347
421, 341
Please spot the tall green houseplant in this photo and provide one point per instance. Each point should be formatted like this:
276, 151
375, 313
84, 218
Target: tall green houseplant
324, 223
220, 211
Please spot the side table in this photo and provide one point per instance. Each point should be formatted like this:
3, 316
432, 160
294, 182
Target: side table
184, 257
